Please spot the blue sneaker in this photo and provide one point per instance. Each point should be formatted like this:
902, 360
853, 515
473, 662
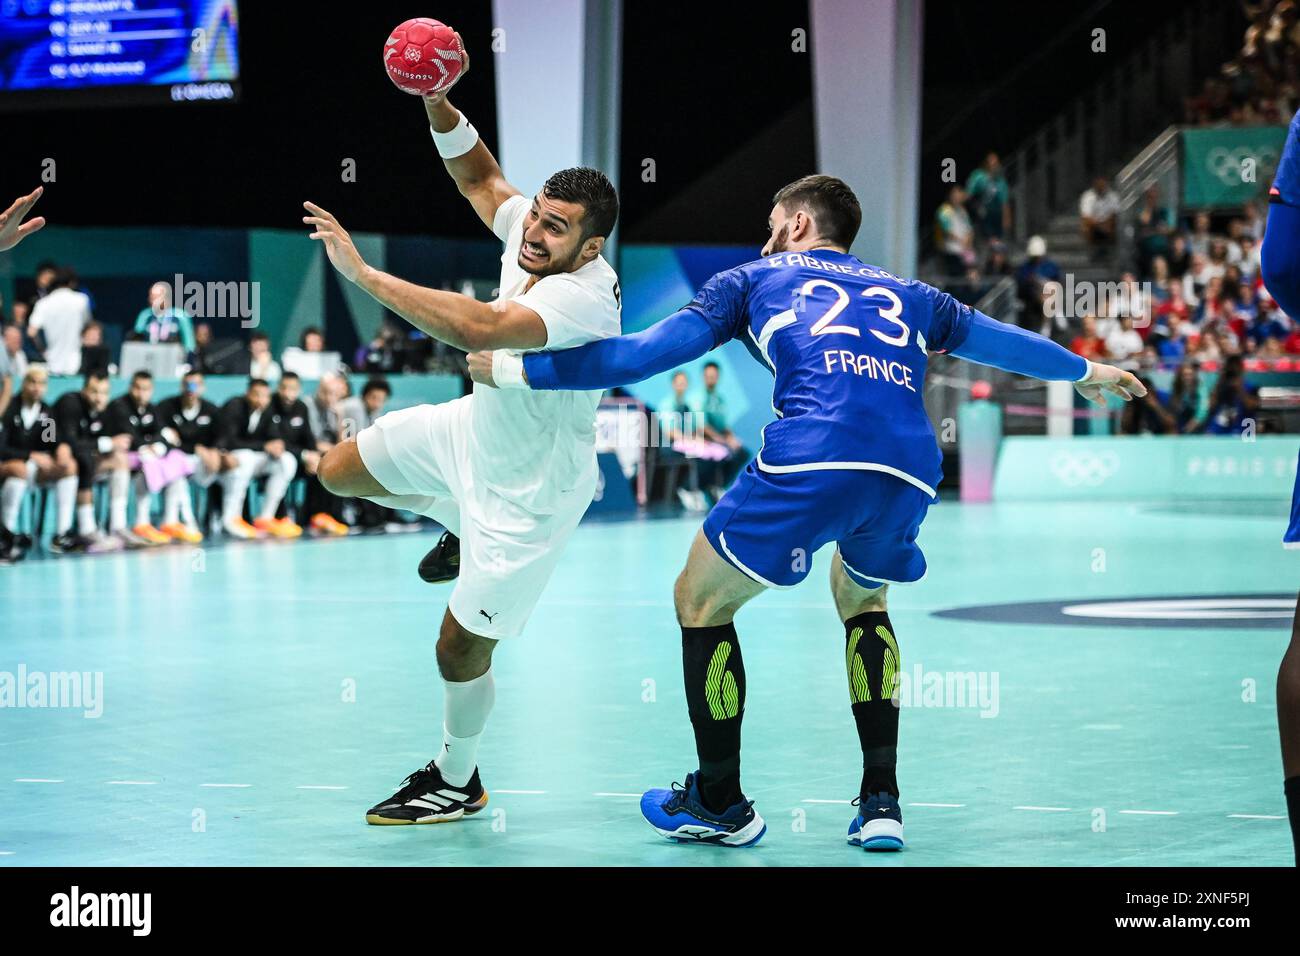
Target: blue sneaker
679, 815
879, 823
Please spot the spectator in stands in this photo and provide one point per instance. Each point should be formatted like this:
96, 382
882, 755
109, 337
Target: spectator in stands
294, 419
1124, 345
1185, 399
383, 353
1155, 227
1088, 343
355, 414
717, 428
86, 443
261, 364
307, 358
1234, 402
59, 317
251, 435
677, 423
1098, 215
194, 424
28, 443
1179, 257
988, 199
1146, 415
1199, 241
359, 413
954, 234
1031, 283
46, 274
134, 417
94, 353
13, 363
324, 416
161, 322
198, 357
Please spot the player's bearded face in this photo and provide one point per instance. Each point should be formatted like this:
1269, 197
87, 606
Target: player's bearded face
779, 240
552, 237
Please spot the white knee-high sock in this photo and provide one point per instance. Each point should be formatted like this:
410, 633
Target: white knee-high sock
277, 483
65, 500
85, 520
119, 483
465, 712
11, 501
143, 501
177, 507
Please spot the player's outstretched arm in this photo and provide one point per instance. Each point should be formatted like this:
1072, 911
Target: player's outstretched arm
458, 320
471, 164
1013, 349
12, 228
622, 360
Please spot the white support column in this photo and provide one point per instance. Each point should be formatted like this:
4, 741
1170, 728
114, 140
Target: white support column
866, 59
557, 73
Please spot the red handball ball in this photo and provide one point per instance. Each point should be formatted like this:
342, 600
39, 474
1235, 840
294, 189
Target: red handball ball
422, 57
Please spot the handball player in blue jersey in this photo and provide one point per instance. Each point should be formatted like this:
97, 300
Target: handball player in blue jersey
1280, 267
851, 459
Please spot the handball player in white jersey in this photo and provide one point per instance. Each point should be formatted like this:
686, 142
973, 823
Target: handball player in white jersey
509, 472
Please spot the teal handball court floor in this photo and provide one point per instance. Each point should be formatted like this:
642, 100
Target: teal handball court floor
257, 698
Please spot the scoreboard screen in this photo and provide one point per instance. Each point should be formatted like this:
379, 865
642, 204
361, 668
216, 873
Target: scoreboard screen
84, 52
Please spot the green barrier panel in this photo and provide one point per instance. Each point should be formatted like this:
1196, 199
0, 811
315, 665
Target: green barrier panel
1145, 468
408, 390
1229, 167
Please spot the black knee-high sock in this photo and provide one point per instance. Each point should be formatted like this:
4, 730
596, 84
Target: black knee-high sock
872, 659
715, 699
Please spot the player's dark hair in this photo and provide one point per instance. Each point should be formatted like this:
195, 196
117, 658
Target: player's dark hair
290, 375
377, 385
259, 337
192, 373
310, 330
95, 375
829, 201
592, 190
709, 365
254, 382
142, 375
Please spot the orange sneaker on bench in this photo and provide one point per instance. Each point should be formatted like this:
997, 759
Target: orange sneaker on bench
278, 527
328, 524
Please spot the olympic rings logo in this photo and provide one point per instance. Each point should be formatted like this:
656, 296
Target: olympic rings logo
1083, 468
1226, 165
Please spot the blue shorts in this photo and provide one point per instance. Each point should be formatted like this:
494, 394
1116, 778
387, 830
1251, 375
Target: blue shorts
769, 525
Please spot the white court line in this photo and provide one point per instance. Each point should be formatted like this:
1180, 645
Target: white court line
844, 802
519, 791
35, 780
605, 794
132, 783
1045, 809
1152, 813
6, 852
223, 786
954, 805
1253, 816
320, 787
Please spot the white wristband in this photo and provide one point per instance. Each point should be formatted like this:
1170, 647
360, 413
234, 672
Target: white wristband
457, 141
508, 369
1087, 372
104, 444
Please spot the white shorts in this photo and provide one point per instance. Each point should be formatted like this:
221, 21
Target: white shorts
507, 553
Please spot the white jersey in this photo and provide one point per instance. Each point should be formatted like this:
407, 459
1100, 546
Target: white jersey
535, 447
61, 315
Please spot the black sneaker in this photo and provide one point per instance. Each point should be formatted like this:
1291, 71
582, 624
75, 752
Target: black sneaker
426, 798
443, 562
67, 543
14, 547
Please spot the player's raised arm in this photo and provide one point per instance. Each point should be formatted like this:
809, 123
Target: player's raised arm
460, 321
467, 158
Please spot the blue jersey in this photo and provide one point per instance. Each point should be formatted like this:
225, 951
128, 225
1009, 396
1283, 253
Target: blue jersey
847, 344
